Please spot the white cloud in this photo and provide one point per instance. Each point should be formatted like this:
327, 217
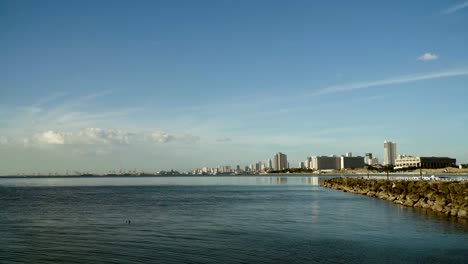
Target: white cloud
101, 136
97, 137
428, 57
87, 136
160, 137
226, 139
163, 137
51, 137
455, 8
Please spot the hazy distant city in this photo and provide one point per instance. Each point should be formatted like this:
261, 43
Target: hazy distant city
333, 163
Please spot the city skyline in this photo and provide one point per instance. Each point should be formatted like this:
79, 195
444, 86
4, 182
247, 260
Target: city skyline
158, 85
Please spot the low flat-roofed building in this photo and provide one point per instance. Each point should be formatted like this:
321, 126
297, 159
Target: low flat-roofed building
406, 161
337, 163
437, 162
352, 162
326, 163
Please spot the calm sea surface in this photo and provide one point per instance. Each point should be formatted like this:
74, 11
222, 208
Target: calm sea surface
214, 220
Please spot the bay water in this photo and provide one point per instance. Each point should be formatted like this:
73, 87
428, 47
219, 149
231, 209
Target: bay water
214, 219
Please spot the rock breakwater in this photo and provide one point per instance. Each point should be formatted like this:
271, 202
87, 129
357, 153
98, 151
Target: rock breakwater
450, 198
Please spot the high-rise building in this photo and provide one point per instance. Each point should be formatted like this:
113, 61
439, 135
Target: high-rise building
301, 165
270, 164
368, 158
349, 154
258, 166
308, 163
390, 153
280, 161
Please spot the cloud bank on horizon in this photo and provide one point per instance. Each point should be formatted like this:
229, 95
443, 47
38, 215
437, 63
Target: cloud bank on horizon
234, 93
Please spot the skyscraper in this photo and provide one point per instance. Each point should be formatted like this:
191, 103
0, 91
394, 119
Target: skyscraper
280, 161
390, 153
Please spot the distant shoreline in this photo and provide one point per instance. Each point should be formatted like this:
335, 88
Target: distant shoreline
230, 175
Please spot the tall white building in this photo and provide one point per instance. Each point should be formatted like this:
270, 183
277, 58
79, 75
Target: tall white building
280, 161
390, 153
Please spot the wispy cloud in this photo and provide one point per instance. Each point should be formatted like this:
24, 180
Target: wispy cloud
226, 139
455, 8
396, 80
428, 57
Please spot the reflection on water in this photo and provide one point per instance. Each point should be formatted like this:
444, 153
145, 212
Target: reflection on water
137, 181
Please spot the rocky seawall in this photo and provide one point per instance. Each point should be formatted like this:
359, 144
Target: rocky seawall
450, 198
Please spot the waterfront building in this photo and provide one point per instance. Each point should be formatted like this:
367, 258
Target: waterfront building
270, 164
349, 154
301, 165
308, 163
368, 158
326, 163
390, 153
351, 162
280, 161
337, 163
407, 161
437, 162
259, 166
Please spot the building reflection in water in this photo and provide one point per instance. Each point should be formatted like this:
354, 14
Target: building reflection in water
295, 180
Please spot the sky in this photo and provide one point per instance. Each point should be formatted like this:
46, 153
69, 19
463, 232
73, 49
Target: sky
93, 86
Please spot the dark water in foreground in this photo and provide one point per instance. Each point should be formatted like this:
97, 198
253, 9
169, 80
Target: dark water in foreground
214, 220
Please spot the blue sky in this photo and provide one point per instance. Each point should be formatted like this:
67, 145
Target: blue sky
99, 85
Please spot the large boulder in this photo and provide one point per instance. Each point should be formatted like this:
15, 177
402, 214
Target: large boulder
444, 188
419, 203
413, 196
438, 207
408, 203
462, 213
